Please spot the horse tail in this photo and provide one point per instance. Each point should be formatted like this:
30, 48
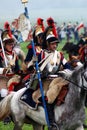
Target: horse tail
5, 106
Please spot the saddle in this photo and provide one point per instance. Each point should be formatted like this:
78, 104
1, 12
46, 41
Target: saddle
26, 98
61, 97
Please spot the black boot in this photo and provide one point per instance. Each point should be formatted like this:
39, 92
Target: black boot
1, 98
7, 120
50, 110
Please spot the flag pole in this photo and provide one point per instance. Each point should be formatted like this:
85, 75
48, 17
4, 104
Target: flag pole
41, 87
24, 1
26, 10
37, 69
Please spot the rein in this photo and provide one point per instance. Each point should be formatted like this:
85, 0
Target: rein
75, 83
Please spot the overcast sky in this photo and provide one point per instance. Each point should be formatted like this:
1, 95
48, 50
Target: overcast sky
10, 9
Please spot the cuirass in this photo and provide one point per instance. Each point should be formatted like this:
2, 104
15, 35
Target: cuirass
53, 65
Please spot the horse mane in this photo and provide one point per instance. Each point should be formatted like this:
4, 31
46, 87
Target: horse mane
71, 48
75, 72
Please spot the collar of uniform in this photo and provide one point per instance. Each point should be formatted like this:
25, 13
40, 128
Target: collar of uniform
9, 52
48, 51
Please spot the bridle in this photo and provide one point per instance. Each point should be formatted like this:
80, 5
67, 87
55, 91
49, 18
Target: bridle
79, 86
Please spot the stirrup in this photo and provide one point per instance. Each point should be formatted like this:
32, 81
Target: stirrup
53, 126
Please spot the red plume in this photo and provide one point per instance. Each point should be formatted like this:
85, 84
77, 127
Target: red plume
7, 27
51, 23
40, 22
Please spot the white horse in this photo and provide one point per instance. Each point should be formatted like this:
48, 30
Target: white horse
5, 106
68, 116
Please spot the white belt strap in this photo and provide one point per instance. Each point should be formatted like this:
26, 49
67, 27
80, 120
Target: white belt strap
47, 59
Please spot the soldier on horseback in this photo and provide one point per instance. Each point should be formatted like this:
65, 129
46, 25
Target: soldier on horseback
38, 40
54, 62
8, 58
9, 65
51, 62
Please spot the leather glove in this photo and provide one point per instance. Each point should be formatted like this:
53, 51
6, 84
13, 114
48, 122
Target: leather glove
24, 67
32, 62
66, 73
34, 58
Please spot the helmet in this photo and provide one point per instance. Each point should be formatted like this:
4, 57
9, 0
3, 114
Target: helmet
38, 33
51, 39
7, 36
38, 30
50, 21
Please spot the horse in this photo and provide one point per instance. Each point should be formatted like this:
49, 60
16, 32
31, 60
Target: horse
69, 116
5, 106
10, 83
7, 82
72, 48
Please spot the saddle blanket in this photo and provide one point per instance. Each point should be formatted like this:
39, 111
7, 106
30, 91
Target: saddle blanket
26, 99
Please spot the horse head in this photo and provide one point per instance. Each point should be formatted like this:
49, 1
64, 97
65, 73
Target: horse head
81, 77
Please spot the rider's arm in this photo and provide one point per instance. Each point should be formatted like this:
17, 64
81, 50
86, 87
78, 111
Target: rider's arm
29, 55
65, 64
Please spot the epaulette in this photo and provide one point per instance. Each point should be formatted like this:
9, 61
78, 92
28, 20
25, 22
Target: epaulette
62, 56
47, 51
29, 46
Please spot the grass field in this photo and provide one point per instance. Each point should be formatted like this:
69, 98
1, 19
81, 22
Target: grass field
27, 126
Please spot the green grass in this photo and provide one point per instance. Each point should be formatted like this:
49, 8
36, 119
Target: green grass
24, 46
11, 125
27, 126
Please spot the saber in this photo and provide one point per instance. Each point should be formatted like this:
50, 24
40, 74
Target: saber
40, 83
3, 51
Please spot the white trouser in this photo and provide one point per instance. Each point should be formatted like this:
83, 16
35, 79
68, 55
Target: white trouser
4, 92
